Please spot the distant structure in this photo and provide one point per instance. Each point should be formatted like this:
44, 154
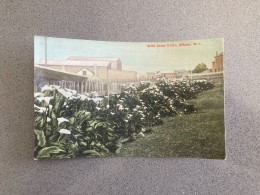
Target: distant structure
166, 74
182, 73
93, 68
141, 77
114, 63
217, 64
150, 75
102, 75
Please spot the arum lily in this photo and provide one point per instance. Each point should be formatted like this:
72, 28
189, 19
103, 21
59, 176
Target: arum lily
64, 131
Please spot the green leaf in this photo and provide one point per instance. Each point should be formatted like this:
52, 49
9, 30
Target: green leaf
87, 138
126, 140
53, 115
118, 149
91, 153
47, 151
89, 129
72, 120
39, 121
40, 137
76, 136
74, 146
82, 143
93, 123
54, 137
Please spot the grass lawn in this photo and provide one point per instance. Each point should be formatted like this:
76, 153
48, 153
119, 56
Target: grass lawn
198, 135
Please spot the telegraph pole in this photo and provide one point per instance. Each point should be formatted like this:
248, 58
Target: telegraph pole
107, 85
45, 51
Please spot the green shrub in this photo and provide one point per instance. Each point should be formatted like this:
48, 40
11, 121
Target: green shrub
68, 124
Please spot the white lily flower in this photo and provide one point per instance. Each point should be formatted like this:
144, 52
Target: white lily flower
94, 94
67, 94
46, 87
61, 120
48, 119
97, 99
87, 113
74, 91
41, 109
83, 97
64, 131
46, 99
38, 94
50, 107
75, 96
55, 86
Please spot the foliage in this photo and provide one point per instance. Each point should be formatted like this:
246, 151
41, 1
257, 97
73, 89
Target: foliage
200, 68
193, 139
68, 124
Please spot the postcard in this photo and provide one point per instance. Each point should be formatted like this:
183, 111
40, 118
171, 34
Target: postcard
110, 99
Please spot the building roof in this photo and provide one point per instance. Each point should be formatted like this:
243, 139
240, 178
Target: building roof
166, 71
57, 75
78, 58
74, 63
92, 72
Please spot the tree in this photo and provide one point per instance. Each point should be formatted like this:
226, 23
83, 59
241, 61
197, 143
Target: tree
200, 68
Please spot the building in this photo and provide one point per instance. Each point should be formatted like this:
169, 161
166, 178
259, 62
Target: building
75, 67
182, 73
93, 68
217, 64
114, 63
45, 76
150, 75
141, 77
102, 75
166, 74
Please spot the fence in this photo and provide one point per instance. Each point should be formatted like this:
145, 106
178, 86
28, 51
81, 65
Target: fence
44, 76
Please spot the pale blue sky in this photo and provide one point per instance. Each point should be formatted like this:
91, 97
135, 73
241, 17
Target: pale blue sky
135, 56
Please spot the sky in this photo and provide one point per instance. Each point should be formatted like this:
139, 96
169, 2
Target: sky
135, 56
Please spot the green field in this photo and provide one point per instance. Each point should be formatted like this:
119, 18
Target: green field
198, 135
